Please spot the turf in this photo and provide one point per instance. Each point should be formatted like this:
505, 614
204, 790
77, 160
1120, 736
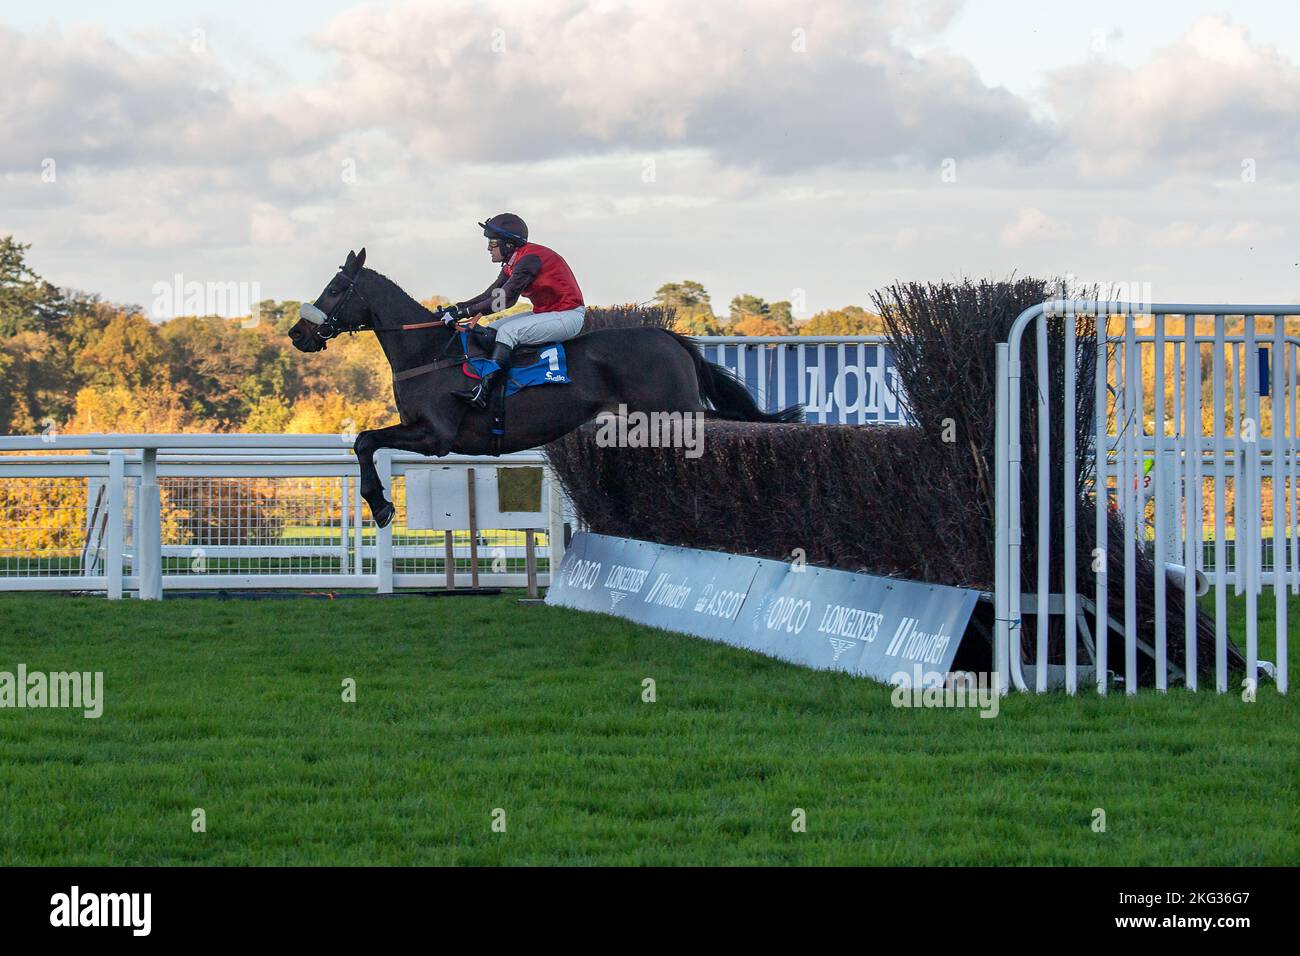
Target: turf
469, 705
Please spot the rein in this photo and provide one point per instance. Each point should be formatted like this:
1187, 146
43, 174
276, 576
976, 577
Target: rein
440, 362
328, 329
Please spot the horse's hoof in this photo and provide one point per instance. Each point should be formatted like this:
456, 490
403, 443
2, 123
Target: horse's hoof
384, 515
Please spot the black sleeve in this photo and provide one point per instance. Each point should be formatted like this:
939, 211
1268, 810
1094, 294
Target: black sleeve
510, 287
481, 304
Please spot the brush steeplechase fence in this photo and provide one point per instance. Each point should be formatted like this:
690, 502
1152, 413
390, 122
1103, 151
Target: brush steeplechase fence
1154, 467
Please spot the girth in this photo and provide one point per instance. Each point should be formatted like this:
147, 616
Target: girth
403, 375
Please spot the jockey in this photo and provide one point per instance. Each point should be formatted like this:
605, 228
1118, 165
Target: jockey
530, 270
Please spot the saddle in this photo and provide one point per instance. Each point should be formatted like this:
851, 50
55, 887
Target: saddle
479, 343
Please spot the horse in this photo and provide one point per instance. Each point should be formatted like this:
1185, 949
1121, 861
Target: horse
642, 369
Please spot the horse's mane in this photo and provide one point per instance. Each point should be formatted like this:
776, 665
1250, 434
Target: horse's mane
398, 301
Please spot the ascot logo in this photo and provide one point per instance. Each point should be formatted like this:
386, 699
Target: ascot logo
103, 909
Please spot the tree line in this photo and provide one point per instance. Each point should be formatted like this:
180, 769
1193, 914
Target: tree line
752, 315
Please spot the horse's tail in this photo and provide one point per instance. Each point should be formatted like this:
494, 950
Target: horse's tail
727, 393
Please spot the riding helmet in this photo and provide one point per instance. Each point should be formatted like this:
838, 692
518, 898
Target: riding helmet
507, 227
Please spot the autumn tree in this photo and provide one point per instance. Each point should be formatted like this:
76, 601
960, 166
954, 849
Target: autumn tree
850, 320
119, 408
279, 315
27, 302
129, 353
748, 306
691, 302
782, 313
35, 393
223, 368
684, 296
753, 324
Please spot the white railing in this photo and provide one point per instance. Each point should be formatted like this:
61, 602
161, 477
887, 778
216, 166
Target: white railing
150, 513
840, 379
1239, 457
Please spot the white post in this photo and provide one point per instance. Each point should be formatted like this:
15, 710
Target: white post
1280, 383
1044, 508
1249, 507
358, 528
1192, 519
114, 540
1101, 452
1163, 462
1001, 531
384, 536
554, 525
1129, 494
1070, 554
345, 503
148, 545
1220, 528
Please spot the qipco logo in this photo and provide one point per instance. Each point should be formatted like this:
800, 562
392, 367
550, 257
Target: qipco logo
789, 615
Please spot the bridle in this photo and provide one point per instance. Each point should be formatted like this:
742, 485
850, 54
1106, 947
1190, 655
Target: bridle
328, 328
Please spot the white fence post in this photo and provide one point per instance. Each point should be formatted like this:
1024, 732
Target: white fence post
554, 525
114, 539
148, 532
384, 536
345, 503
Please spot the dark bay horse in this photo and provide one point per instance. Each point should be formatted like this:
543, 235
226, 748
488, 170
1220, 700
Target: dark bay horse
644, 369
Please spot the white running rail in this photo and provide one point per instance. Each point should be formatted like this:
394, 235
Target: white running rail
149, 513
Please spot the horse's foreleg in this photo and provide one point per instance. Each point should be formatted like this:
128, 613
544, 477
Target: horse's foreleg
402, 437
372, 489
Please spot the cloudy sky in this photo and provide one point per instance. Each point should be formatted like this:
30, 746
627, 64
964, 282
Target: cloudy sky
816, 149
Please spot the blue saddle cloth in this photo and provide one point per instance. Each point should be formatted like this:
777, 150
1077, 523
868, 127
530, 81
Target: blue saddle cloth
551, 368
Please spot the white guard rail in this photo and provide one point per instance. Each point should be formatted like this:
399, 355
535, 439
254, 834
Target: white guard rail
839, 379
150, 513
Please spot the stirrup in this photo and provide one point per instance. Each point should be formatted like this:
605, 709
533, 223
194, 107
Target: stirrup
473, 395
481, 394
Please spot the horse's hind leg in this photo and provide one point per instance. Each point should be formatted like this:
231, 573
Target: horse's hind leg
414, 438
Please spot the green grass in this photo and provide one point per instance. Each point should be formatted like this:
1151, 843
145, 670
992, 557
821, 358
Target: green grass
466, 705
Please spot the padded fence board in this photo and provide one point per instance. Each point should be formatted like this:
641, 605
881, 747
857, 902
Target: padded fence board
816, 617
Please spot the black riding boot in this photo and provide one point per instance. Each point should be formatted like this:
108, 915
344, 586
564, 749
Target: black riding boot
481, 394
